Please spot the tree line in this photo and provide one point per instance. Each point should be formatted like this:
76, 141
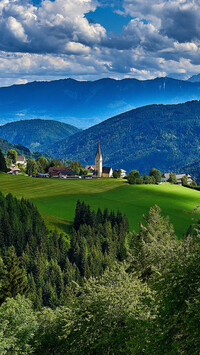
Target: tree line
154, 177
39, 165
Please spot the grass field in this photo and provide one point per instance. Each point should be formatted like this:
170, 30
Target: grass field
56, 199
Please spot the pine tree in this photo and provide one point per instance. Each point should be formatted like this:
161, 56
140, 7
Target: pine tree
77, 218
14, 280
99, 217
105, 215
3, 167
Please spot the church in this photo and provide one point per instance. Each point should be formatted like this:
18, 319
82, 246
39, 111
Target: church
98, 169
101, 171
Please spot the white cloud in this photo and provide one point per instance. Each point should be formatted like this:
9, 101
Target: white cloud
77, 48
56, 40
16, 29
49, 27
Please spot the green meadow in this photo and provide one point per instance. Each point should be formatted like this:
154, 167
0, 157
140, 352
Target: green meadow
56, 199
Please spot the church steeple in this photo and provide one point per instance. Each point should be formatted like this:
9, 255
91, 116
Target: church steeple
98, 149
98, 161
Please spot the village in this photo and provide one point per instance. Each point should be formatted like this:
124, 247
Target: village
90, 171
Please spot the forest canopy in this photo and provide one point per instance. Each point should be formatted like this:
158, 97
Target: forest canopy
106, 290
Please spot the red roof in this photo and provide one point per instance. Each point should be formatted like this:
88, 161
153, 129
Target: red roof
88, 167
56, 170
14, 169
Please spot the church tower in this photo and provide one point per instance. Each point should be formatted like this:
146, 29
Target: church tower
98, 161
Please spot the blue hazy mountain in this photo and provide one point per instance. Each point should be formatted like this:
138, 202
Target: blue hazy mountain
85, 103
195, 78
35, 134
161, 136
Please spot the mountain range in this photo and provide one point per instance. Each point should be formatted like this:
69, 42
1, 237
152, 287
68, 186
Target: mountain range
161, 136
85, 103
195, 78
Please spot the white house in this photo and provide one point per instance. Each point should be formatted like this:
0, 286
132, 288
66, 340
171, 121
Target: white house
123, 173
21, 160
165, 177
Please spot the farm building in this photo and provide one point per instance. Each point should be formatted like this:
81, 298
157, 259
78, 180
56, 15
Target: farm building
165, 177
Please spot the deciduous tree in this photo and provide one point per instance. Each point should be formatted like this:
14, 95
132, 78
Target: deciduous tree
12, 155
156, 174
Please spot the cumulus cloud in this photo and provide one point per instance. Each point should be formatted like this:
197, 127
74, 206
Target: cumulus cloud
55, 39
48, 28
177, 19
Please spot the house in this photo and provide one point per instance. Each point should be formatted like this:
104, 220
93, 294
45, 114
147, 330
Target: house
107, 172
179, 177
56, 171
40, 175
21, 159
69, 175
123, 173
165, 177
91, 168
13, 170
63, 173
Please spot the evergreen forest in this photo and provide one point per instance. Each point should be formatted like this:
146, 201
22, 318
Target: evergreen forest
103, 291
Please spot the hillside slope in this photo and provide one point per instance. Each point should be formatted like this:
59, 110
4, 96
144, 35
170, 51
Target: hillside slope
166, 137
56, 199
5, 146
85, 103
35, 134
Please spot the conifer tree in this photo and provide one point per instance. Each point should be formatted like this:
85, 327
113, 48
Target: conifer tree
99, 217
3, 167
14, 280
77, 218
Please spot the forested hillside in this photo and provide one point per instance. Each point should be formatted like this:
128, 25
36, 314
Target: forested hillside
85, 103
161, 136
5, 146
108, 291
51, 261
36, 134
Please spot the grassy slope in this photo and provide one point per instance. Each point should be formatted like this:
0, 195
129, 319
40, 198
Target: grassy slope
56, 199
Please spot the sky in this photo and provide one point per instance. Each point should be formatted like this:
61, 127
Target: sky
90, 39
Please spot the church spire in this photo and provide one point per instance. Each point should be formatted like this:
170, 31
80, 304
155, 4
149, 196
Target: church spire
98, 149
98, 161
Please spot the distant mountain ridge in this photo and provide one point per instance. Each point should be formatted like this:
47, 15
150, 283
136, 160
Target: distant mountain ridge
36, 134
163, 136
85, 103
195, 78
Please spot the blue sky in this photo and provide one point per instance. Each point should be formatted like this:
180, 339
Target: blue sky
109, 19
91, 39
